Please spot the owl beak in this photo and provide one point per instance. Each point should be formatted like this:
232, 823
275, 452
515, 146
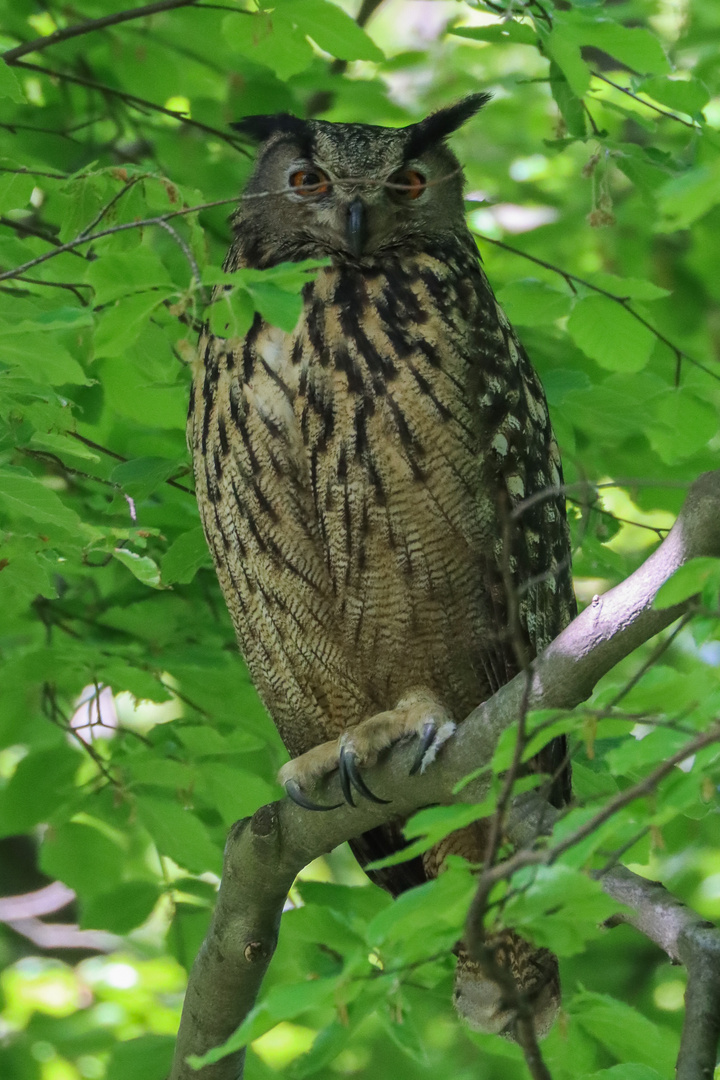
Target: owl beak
356, 227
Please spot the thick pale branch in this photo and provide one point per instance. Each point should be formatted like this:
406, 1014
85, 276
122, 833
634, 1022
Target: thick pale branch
264, 855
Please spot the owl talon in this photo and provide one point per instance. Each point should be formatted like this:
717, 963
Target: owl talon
296, 793
427, 738
351, 777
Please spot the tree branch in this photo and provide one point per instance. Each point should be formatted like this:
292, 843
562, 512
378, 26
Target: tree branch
264, 853
40, 43
687, 939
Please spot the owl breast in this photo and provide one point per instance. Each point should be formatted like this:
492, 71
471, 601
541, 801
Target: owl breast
388, 379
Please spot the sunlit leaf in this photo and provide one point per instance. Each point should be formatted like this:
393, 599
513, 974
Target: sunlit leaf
610, 334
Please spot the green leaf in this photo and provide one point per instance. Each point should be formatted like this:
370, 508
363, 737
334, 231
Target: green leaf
235, 791
632, 45
280, 1003
151, 769
143, 567
121, 323
628, 288
685, 95
531, 303
63, 445
636, 47
277, 43
330, 27
25, 496
115, 275
203, 740
15, 190
609, 334
428, 917
42, 360
570, 106
510, 31
40, 785
24, 575
625, 1032
82, 857
149, 1056
407, 1038
684, 425
188, 554
689, 196
177, 832
558, 907
121, 909
141, 476
277, 307
640, 754
563, 46
625, 1072
432, 824
687, 581
231, 313
9, 86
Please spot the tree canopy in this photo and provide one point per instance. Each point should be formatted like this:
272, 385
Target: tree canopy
131, 738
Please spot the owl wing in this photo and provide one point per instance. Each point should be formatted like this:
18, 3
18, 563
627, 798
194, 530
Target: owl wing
533, 551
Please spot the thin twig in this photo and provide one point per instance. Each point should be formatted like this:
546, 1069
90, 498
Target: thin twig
10, 56
648, 104
133, 100
109, 205
624, 301
119, 457
34, 172
549, 855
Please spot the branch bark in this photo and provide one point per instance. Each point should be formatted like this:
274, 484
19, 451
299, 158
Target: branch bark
687, 939
264, 854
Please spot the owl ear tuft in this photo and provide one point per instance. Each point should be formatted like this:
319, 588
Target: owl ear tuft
436, 127
260, 128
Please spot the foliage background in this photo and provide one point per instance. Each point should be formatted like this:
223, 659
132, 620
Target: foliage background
130, 737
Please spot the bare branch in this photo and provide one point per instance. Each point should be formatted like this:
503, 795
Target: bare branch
264, 854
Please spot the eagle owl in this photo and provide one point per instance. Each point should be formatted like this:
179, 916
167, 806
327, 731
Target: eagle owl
357, 480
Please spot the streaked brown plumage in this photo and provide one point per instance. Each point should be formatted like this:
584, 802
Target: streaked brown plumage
356, 478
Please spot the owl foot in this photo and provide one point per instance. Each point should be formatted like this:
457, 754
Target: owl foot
418, 715
296, 793
351, 777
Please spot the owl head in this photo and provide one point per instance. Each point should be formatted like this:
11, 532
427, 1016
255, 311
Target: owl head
349, 191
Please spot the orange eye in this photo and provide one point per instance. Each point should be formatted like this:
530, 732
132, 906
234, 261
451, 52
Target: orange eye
310, 182
410, 184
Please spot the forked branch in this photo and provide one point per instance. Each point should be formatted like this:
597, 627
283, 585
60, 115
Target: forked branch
264, 853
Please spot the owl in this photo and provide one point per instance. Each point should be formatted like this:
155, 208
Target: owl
366, 482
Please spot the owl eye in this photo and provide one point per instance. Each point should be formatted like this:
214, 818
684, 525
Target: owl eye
410, 184
310, 182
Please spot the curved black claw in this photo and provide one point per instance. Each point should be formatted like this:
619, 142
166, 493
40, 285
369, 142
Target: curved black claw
351, 777
427, 738
296, 793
